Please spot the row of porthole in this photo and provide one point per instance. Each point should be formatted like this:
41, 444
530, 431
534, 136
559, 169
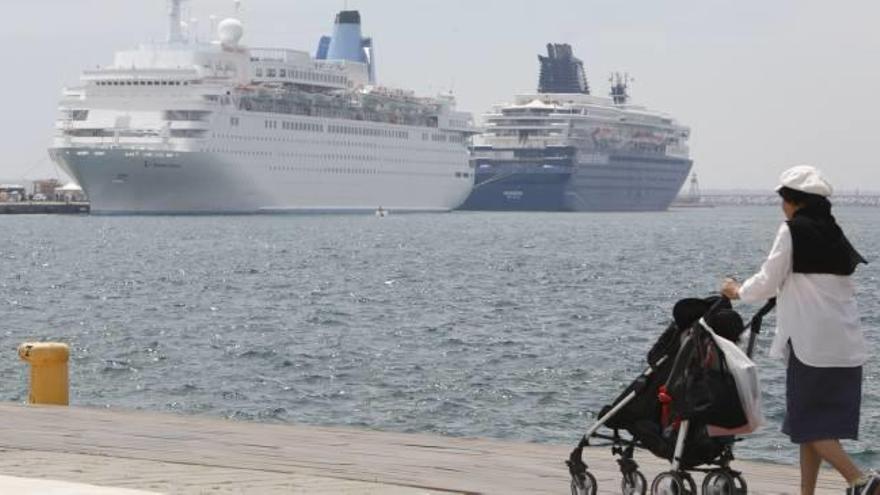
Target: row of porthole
333, 170
142, 83
416, 149
358, 131
324, 156
354, 171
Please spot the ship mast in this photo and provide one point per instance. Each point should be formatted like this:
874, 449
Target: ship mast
620, 88
175, 34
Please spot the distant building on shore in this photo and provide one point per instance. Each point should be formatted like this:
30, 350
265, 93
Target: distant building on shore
12, 193
70, 193
45, 188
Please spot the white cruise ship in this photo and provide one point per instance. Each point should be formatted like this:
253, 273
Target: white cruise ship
197, 127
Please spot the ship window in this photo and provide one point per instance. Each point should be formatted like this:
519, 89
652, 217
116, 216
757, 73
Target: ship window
186, 115
270, 72
259, 72
188, 133
79, 115
282, 72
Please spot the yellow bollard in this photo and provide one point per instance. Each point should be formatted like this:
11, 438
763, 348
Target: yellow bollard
48, 360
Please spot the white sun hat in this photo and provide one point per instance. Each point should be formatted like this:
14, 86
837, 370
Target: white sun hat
806, 179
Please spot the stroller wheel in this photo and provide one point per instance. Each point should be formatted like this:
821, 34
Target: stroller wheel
634, 484
673, 483
741, 486
585, 486
722, 483
691, 484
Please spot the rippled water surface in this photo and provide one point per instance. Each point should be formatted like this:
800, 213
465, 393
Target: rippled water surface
503, 325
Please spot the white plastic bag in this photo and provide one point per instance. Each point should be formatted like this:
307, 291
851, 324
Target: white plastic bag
748, 385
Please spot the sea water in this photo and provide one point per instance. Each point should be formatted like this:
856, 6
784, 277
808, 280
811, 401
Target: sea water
518, 326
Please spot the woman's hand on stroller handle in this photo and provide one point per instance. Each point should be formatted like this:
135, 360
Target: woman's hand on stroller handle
730, 288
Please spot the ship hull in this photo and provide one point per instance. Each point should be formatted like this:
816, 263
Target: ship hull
129, 181
519, 190
619, 183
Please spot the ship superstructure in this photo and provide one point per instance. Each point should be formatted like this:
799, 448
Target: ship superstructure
190, 127
562, 148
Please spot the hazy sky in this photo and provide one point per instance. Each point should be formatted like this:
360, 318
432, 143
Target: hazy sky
763, 84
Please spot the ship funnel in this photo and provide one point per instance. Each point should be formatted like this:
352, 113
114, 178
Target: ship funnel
561, 71
348, 42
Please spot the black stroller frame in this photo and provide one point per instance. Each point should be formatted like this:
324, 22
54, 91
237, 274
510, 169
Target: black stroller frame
720, 478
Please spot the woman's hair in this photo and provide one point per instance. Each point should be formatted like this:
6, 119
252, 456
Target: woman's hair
808, 201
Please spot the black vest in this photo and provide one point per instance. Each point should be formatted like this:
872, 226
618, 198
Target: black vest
819, 245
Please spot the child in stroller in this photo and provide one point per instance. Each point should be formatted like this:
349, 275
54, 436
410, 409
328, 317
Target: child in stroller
668, 408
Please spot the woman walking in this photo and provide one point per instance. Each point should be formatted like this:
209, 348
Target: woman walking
809, 270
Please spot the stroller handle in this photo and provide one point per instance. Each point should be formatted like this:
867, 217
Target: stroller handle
722, 300
755, 324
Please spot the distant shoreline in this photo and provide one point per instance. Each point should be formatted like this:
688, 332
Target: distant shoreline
755, 198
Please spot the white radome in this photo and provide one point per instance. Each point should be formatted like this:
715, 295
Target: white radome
230, 31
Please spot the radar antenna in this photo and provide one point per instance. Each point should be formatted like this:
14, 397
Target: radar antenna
620, 87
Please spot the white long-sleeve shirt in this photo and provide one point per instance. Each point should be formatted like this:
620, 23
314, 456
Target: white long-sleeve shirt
816, 311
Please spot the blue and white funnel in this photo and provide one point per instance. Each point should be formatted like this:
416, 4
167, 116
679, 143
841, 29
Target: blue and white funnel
348, 43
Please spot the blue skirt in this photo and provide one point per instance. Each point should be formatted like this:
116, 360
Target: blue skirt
821, 403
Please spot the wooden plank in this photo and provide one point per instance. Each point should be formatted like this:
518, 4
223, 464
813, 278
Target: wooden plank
215, 453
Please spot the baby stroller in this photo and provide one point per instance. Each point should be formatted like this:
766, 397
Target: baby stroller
668, 409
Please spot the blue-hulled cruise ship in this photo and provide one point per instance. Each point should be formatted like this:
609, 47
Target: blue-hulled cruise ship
563, 149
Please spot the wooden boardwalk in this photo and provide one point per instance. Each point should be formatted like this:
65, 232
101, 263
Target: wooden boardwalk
194, 455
